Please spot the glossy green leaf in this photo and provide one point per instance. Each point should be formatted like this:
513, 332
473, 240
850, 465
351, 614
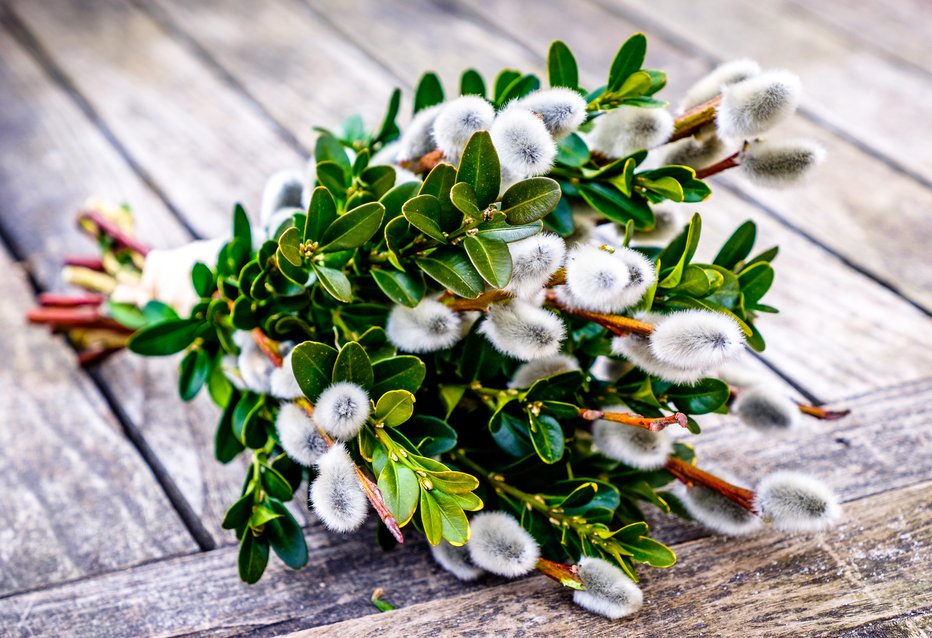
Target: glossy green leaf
353, 228
423, 212
286, 536
705, 396
519, 88
253, 557
530, 200
193, 372
464, 198
737, 247
321, 213
405, 372
471, 83
334, 282
508, 233
203, 280
547, 437
353, 365
312, 364
431, 520
394, 408
628, 60
491, 258
165, 338
454, 524
480, 168
239, 513
561, 66
502, 81
226, 445
452, 269
328, 149
290, 246
614, 205
242, 231
400, 490
389, 129
401, 287
428, 93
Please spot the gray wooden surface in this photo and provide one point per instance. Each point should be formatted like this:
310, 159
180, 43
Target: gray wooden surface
110, 499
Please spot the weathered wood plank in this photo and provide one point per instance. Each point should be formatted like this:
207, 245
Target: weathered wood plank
204, 146
202, 595
52, 159
77, 499
875, 564
811, 340
879, 229
868, 97
304, 74
896, 27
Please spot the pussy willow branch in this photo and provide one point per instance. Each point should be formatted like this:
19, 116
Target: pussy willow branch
823, 414
97, 224
695, 118
635, 420
617, 324
729, 162
689, 474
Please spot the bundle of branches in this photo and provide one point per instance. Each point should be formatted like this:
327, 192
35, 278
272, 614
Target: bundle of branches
481, 326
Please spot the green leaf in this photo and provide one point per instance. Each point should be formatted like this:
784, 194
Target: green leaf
328, 149
508, 233
405, 372
637, 84
628, 60
400, 287
194, 370
471, 83
353, 365
431, 435
321, 212
464, 198
239, 513
203, 280
334, 177
312, 364
452, 482
737, 247
647, 550
429, 92
547, 437
679, 252
276, 485
354, 228
243, 314
530, 200
755, 282
439, 183
226, 445
253, 557
286, 536
666, 187
394, 408
612, 203
334, 282
706, 396
166, 337
561, 66
241, 228
454, 524
452, 270
572, 151
491, 258
502, 82
400, 490
519, 88
423, 212
480, 168
431, 520
389, 129
290, 246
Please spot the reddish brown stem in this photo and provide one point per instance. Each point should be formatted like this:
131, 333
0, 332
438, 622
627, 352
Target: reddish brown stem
84, 261
482, 302
695, 118
729, 162
424, 163
268, 346
689, 474
77, 317
61, 300
369, 487
108, 228
823, 413
635, 420
95, 355
566, 575
618, 324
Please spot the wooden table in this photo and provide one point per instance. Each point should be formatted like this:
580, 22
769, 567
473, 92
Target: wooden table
110, 500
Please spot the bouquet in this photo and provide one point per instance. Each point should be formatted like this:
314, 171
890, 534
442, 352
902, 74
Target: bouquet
480, 327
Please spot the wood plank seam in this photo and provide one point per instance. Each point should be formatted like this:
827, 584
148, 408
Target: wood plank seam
697, 51
734, 186
28, 41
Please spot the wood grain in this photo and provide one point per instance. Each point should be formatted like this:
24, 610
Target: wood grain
204, 145
52, 159
868, 97
77, 499
867, 226
811, 340
769, 585
202, 594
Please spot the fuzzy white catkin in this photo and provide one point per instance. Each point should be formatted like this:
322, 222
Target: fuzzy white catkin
609, 592
342, 410
282, 382
282, 190
766, 409
693, 152
606, 280
534, 260
607, 369
455, 560
299, 435
696, 339
456, 122
757, 104
525, 147
636, 349
780, 164
522, 330
335, 494
631, 445
417, 139
532, 371
562, 110
628, 129
717, 512
711, 85
254, 366
230, 368
499, 544
794, 502
428, 327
